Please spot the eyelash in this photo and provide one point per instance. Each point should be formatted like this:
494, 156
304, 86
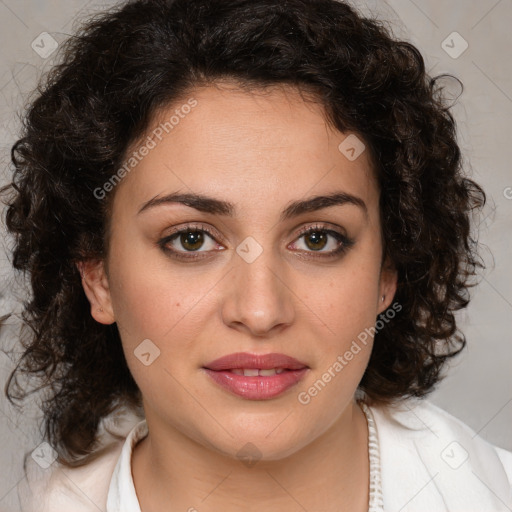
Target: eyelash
345, 242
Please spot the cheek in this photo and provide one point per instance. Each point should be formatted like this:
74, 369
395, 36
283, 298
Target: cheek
150, 295
347, 306
348, 311
350, 301
151, 304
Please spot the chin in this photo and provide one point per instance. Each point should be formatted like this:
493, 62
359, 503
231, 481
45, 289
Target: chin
261, 442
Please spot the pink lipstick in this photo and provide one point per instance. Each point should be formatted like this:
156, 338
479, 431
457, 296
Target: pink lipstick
256, 376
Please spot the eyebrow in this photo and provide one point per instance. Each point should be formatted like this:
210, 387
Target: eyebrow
214, 206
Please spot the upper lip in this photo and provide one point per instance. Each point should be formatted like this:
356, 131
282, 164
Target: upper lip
259, 361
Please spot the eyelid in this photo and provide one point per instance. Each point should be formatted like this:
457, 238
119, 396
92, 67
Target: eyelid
194, 227
322, 226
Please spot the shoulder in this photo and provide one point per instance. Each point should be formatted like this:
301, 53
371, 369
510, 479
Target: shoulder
432, 460
59, 488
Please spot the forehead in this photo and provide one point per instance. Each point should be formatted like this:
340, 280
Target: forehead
259, 147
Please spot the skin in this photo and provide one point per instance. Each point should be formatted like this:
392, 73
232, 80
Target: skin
260, 152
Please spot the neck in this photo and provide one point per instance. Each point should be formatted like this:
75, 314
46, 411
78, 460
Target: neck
174, 472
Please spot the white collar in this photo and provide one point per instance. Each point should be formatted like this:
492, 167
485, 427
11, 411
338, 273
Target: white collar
121, 493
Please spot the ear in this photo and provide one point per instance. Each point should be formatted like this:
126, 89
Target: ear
387, 285
97, 290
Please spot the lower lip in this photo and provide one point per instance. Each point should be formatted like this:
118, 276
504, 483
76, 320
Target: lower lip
257, 388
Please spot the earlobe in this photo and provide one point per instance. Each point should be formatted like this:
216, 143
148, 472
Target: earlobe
388, 285
96, 288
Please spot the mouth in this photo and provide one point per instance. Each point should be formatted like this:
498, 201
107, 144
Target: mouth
256, 377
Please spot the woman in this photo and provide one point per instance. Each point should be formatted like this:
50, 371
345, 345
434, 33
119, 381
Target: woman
247, 228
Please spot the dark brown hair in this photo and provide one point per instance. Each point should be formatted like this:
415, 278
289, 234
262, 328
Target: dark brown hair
126, 64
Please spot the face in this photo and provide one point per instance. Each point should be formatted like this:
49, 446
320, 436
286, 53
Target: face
203, 280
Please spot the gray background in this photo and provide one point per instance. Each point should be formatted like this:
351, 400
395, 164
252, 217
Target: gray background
478, 389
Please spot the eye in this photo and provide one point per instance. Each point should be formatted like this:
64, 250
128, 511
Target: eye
326, 242
189, 239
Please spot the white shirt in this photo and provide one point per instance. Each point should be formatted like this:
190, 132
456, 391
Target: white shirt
430, 462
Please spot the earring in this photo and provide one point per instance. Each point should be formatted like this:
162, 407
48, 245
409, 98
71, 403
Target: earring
382, 298
101, 310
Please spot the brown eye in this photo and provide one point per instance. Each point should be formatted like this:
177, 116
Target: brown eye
325, 242
189, 243
316, 240
191, 240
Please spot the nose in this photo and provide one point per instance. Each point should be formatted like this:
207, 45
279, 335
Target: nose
259, 299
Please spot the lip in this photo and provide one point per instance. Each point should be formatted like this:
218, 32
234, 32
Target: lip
261, 361
256, 387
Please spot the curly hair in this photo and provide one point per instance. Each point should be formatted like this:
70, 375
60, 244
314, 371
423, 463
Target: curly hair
125, 64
